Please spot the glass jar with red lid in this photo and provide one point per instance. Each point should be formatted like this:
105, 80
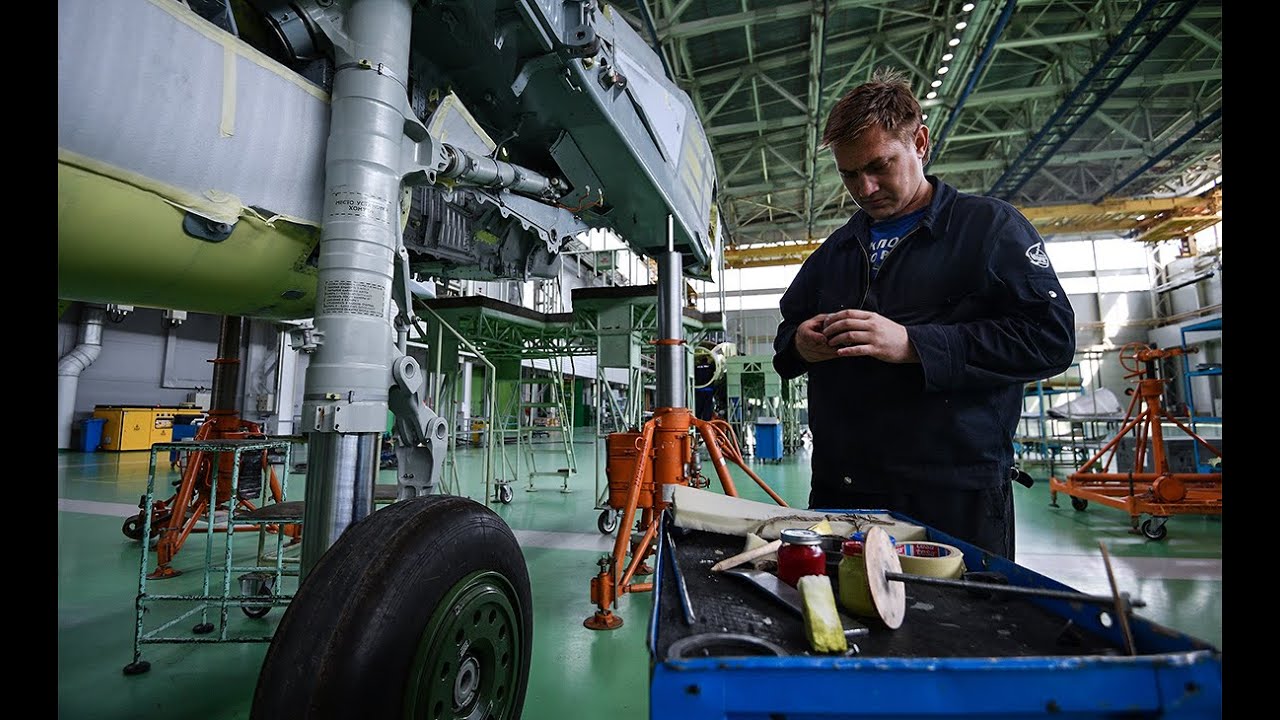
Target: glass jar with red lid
800, 554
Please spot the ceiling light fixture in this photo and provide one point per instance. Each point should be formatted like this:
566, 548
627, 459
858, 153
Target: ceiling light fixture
953, 42
943, 70
931, 95
962, 25
935, 83
966, 7
947, 57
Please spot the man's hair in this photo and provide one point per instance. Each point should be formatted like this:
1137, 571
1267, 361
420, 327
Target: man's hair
885, 101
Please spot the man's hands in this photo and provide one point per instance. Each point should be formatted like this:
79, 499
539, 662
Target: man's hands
811, 343
854, 333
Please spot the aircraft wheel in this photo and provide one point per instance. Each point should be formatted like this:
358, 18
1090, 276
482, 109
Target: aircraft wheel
420, 610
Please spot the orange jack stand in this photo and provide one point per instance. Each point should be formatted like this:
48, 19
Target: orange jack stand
206, 480
203, 485
641, 466
1159, 492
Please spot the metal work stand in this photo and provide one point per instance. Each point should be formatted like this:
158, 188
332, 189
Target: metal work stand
260, 584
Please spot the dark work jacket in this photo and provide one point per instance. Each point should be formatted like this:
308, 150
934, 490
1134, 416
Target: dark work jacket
986, 314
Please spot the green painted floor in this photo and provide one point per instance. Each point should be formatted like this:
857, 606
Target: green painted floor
576, 673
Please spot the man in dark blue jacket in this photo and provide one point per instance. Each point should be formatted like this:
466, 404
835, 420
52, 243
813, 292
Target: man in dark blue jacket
919, 322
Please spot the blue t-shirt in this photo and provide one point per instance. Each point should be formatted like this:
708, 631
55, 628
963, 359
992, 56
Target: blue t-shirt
886, 235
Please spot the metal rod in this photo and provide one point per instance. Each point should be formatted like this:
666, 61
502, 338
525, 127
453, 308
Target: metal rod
1119, 601
670, 353
226, 369
487, 172
685, 603
1012, 589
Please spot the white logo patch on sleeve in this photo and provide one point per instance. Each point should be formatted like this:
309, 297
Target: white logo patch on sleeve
1037, 256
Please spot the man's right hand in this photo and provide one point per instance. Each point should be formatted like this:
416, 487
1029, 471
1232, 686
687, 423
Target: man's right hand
811, 343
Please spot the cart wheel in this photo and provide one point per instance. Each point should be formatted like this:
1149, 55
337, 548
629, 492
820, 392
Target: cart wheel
437, 621
262, 587
255, 612
1154, 531
505, 494
607, 522
1079, 503
132, 528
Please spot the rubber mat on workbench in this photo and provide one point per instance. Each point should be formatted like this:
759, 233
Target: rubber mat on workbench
939, 622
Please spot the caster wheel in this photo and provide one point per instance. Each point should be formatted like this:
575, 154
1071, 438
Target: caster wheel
133, 524
257, 585
132, 528
1154, 531
607, 522
1079, 503
505, 494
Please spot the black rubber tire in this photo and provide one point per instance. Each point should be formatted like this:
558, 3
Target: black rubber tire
607, 522
132, 528
347, 643
255, 612
1079, 503
505, 494
1152, 532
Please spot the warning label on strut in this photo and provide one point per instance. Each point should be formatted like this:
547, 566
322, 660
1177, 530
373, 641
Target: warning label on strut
349, 204
352, 297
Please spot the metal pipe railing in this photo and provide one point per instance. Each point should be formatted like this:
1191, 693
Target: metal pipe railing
493, 389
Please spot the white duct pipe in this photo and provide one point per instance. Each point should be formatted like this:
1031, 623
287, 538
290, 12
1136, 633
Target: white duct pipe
72, 364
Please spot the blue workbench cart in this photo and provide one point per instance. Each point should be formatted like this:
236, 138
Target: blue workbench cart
1010, 657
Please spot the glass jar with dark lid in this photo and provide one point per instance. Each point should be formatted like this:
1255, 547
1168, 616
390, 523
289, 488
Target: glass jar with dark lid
800, 554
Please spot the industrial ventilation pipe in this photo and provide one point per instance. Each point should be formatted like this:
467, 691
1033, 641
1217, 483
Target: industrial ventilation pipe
72, 364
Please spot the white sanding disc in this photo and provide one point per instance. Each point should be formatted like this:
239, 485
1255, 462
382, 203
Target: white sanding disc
889, 596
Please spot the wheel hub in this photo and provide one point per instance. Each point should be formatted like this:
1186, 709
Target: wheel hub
466, 684
468, 661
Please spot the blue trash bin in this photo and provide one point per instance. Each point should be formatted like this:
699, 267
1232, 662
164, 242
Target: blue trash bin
184, 431
768, 438
91, 433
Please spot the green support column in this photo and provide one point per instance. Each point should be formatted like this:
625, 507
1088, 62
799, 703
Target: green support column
508, 384
579, 404
477, 390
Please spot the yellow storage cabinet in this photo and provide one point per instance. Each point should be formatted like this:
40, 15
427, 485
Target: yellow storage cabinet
162, 425
135, 427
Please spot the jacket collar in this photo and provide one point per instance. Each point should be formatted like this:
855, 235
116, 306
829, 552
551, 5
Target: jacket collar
935, 217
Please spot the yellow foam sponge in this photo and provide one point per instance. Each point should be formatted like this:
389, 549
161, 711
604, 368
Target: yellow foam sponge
821, 619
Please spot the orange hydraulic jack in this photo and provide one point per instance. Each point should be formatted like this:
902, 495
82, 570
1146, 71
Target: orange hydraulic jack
206, 479
640, 465
644, 466
1160, 493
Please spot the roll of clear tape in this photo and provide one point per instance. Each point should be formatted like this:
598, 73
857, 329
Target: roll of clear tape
930, 559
